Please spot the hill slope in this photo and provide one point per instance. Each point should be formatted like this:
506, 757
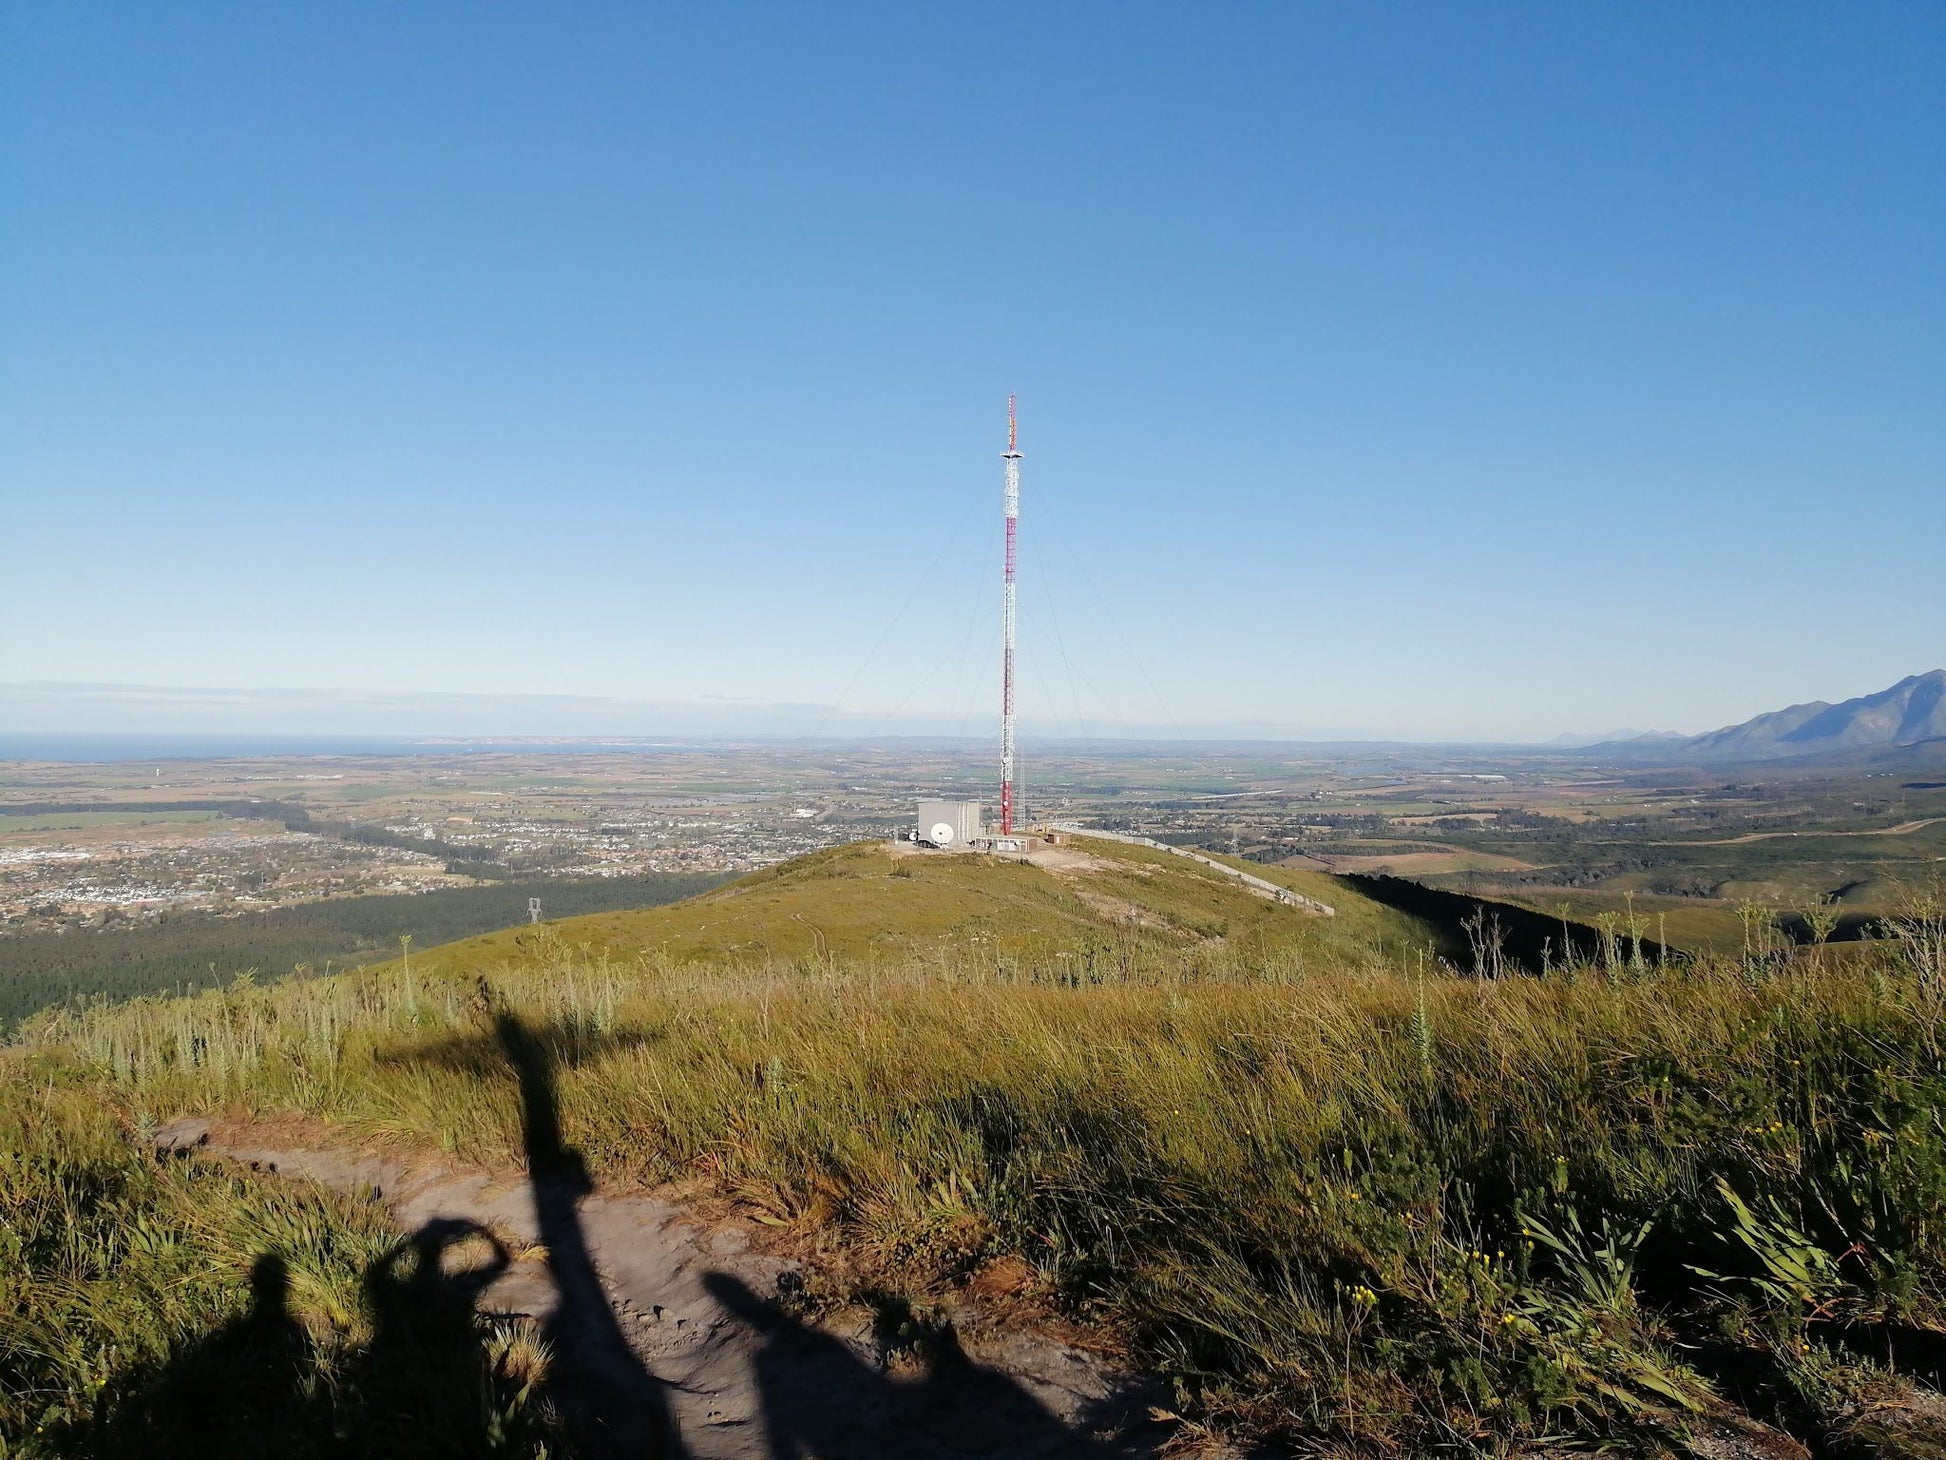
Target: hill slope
1908, 713
1295, 1199
870, 900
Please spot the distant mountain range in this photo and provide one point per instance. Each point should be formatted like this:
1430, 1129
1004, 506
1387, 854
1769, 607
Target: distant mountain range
1905, 722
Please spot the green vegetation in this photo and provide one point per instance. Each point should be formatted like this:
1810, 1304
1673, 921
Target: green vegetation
84, 820
1691, 923
1793, 864
180, 1310
1340, 1196
866, 903
176, 950
1685, 846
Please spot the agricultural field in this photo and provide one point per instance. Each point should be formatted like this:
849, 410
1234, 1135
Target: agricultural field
1704, 859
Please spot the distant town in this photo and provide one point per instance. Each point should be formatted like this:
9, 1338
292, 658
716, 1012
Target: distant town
115, 844
88, 846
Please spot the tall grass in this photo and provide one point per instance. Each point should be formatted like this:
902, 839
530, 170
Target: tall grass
1390, 1208
160, 1309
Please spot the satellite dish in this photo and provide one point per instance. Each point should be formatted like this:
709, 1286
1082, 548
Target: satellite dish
941, 833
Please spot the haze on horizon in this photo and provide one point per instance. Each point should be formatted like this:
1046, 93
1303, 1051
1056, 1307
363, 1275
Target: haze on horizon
1430, 372
49, 713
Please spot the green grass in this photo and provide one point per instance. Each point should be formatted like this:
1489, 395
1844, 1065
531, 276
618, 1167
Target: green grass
180, 949
861, 902
180, 1310
84, 820
1336, 1199
375, 792
1693, 924
1361, 924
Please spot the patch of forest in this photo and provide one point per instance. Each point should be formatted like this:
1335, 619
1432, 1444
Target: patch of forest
178, 949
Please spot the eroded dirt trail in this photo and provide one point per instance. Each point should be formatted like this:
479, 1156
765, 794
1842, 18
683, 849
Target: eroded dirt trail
670, 1339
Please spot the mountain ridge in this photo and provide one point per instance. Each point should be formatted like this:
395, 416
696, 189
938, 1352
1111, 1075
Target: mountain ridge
1903, 717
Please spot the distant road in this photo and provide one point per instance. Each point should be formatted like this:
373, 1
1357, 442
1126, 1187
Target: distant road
1904, 828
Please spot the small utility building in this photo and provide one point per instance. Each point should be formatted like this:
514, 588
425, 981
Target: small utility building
949, 823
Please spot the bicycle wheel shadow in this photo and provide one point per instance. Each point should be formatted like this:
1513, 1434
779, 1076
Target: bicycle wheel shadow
425, 1384
820, 1396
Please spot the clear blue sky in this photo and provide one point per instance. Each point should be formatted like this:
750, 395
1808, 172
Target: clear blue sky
1427, 370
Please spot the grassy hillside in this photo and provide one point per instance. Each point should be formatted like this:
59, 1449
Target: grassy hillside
869, 902
1340, 1199
183, 948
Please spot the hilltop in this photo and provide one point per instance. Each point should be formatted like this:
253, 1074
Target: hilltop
1330, 1200
1086, 901
876, 1112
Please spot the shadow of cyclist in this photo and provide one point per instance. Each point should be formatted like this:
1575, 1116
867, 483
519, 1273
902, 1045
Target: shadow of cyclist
424, 1385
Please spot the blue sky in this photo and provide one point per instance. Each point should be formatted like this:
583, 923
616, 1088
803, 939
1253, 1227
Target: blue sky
1413, 370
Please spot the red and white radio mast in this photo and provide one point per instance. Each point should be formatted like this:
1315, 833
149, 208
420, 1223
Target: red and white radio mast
1012, 458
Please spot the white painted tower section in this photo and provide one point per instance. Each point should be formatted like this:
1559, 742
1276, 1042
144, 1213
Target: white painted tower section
1007, 766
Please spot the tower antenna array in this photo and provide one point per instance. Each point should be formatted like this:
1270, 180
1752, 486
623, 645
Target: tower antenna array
1011, 456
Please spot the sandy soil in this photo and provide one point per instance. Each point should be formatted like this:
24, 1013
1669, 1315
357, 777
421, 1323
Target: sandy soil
1054, 859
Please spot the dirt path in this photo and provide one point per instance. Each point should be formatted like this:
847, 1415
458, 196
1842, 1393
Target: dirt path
673, 1335
1904, 828
1260, 886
